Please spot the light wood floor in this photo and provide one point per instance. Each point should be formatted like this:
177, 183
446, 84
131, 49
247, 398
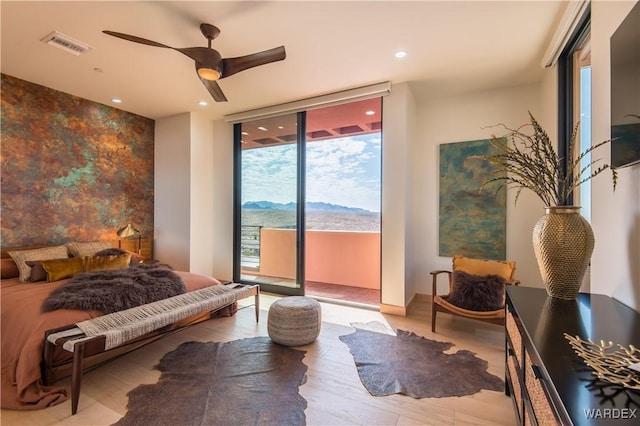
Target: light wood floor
334, 393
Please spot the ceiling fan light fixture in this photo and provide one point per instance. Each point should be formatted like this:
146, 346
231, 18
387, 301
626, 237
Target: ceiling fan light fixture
208, 73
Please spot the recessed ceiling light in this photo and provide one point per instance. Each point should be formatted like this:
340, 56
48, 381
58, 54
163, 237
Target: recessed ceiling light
280, 127
245, 133
370, 112
400, 54
116, 100
264, 129
203, 103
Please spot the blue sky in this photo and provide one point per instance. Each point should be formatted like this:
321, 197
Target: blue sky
344, 171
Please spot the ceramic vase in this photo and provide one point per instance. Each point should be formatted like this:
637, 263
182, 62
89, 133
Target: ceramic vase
563, 243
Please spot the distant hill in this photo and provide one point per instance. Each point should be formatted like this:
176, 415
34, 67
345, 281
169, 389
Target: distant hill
268, 205
311, 206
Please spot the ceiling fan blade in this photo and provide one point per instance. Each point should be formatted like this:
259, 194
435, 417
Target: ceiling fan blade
136, 39
204, 55
232, 66
214, 89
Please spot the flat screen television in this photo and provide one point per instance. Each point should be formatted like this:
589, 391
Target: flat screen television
625, 91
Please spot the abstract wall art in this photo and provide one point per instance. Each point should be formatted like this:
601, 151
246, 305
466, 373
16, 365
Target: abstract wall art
472, 219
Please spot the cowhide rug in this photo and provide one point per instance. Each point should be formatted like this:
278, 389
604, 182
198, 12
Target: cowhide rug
244, 382
415, 366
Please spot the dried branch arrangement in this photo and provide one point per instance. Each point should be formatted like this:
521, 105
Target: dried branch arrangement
608, 363
531, 161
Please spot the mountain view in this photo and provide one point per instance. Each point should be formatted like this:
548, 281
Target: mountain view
319, 216
310, 206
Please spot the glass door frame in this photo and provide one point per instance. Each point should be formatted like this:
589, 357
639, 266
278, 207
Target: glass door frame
300, 213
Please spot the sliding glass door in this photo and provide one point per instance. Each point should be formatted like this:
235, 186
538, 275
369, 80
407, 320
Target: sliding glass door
307, 201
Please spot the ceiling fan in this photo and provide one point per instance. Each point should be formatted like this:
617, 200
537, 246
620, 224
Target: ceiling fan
210, 65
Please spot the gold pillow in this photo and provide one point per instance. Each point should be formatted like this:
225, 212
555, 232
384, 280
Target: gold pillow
105, 263
502, 268
87, 249
45, 253
59, 269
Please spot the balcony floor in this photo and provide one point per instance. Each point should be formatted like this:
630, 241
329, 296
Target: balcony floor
337, 292
343, 293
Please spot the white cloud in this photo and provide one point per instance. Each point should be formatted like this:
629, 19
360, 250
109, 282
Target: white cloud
343, 171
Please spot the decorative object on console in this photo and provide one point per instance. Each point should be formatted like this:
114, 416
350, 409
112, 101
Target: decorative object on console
128, 232
608, 363
563, 240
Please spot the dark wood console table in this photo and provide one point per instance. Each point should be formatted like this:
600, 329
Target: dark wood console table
548, 382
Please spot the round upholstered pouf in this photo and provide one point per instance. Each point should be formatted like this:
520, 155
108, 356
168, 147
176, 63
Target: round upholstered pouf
294, 321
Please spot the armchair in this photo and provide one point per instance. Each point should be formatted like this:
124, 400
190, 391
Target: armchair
476, 289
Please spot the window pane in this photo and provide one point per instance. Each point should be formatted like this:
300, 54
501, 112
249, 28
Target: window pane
269, 201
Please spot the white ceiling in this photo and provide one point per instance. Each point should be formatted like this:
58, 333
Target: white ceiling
453, 47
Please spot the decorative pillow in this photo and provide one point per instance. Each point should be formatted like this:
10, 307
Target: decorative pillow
505, 269
20, 257
37, 271
135, 258
87, 249
105, 263
477, 293
59, 269
9, 269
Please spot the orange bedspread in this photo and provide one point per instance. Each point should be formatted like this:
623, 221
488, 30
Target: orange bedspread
23, 327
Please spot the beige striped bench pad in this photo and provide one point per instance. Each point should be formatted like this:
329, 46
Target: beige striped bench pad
123, 326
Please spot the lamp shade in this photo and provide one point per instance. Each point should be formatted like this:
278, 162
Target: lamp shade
127, 231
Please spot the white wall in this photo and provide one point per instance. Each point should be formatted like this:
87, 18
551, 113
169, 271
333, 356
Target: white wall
184, 184
223, 200
457, 119
172, 187
615, 264
397, 111
201, 200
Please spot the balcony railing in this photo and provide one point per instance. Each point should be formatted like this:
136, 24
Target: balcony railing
336, 257
250, 247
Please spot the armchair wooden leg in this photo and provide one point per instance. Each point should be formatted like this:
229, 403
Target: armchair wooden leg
433, 317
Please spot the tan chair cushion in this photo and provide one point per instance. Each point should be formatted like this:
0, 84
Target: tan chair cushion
502, 268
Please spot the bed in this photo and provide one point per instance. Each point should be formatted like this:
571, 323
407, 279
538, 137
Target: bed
28, 377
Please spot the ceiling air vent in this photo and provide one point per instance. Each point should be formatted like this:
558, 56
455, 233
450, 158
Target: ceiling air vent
66, 43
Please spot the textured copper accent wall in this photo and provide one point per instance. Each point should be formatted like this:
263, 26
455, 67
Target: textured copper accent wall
72, 169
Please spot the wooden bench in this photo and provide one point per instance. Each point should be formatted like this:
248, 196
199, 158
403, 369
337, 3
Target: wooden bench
109, 332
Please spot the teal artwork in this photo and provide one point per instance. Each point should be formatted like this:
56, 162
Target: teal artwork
472, 221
